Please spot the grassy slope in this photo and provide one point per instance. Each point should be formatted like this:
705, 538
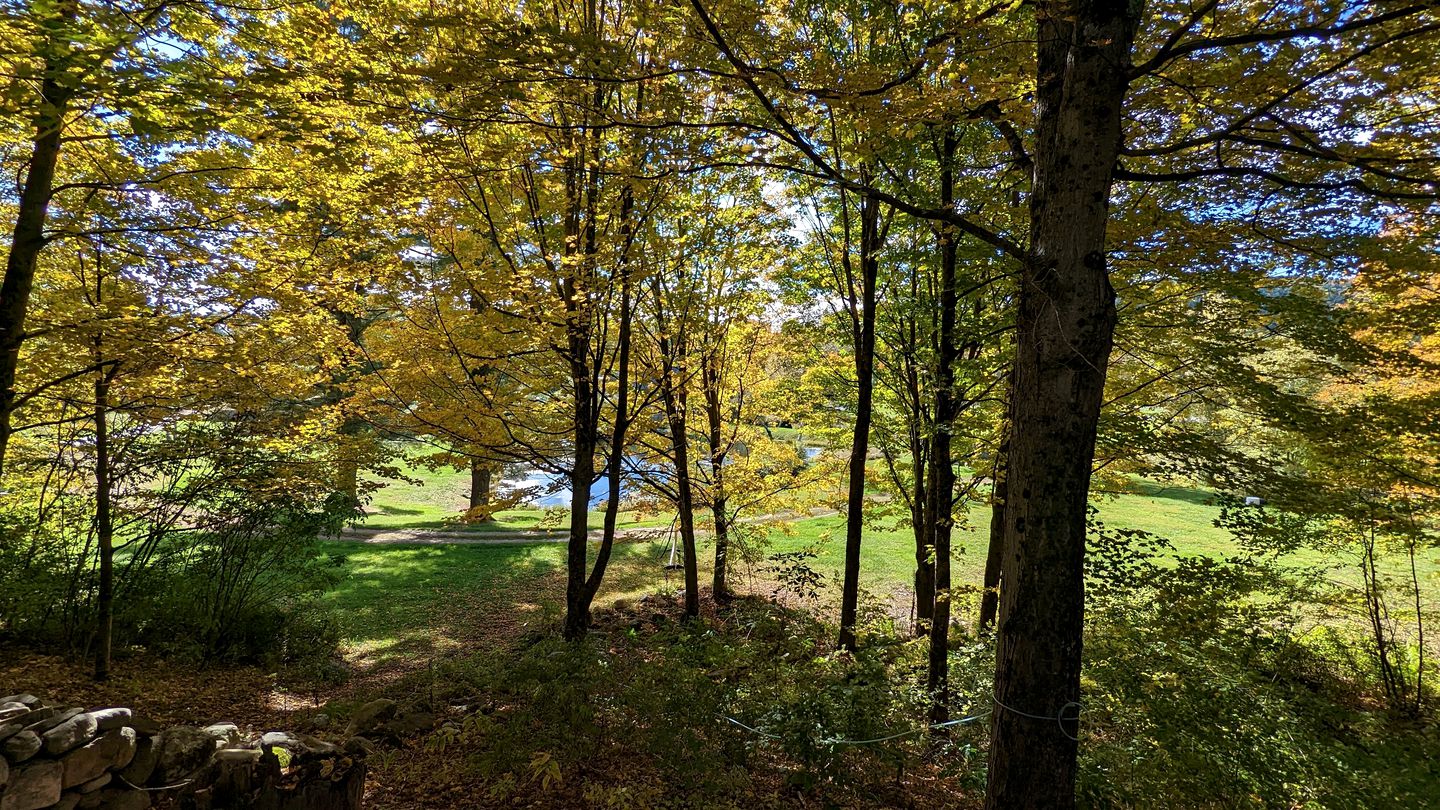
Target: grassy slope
408, 600
1181, 515
392, 594
393, 587
406, 607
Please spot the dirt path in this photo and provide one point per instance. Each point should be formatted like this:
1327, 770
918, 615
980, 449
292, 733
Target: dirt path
420, 537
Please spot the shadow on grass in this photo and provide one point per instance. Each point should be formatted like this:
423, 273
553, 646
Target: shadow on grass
450, 523
404, 606
506, 526
396, 510
1152, 489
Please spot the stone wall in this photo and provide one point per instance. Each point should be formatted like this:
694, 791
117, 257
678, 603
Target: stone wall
67, 758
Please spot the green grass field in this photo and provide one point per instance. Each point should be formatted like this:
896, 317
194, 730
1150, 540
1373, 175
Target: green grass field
413, 601
406, 599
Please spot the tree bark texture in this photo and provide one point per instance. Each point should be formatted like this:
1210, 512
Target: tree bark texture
940, 505
1064, 326
684, 499
104, 529
480, 475
719, 500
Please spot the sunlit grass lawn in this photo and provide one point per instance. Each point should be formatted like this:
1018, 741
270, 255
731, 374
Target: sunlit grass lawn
1185, 517
405, 600
398, 597
888, 554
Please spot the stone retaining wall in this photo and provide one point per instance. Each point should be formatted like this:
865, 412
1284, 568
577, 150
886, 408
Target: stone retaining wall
67, 758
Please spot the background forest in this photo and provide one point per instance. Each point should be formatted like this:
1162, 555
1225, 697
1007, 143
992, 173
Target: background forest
713, 403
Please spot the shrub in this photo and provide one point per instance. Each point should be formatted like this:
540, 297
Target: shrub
244, 587
236, 580
1200, 693
43, 577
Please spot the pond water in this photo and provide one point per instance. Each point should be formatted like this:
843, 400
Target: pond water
553, 489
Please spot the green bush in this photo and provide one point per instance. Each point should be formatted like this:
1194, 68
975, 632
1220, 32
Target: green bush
245, 587
1200, 693
43, 578
238, 581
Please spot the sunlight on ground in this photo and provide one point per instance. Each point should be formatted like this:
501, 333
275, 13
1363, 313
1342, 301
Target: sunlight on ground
280, 701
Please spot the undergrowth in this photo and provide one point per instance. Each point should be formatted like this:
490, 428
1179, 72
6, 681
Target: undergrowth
1198, 692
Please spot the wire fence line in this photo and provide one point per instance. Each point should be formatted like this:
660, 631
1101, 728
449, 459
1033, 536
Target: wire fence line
1059, 719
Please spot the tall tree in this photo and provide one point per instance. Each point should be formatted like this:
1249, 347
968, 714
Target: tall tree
55, 50
557, 193
90, 75
1086, 84
860, 259
1064, 324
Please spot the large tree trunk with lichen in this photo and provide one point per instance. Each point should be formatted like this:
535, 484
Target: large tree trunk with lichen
480, 475
1065, 326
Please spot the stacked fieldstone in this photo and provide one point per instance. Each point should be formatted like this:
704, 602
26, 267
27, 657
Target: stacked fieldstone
61, 758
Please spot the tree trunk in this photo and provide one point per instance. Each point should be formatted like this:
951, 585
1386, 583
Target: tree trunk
480, 471
995, 554
719, 585
924, 567
942, 472
615, 461
582, 476
575, 292
674, 347
860, 439
584, 425
1419, 705
479, 485
583, 191
615, 467
1064, 326
28, 235
684, 500
920, 519
104, 528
